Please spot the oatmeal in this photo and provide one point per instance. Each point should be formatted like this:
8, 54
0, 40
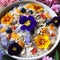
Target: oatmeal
28, 30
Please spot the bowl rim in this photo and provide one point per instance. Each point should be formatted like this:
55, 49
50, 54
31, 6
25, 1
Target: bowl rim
53, 47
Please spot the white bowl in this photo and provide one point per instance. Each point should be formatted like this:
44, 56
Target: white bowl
52, 14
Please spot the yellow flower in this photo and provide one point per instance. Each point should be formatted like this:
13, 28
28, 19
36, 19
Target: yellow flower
47, 15
51, 27
44, 30
35, 7
7, 19
15, 36
3, 29
21, 43
18, 11
42, 41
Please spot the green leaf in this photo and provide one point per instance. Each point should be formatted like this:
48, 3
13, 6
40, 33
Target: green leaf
56, 55
6, 57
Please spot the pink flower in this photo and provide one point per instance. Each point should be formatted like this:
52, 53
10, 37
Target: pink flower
47, 58
56, 7
48, 2
7, 2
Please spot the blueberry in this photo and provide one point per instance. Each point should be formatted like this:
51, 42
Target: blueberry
30, 11
23, 10
48, 22
32, 32
9, 30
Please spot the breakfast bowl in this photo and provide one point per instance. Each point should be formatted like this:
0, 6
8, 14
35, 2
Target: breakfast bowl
29, 30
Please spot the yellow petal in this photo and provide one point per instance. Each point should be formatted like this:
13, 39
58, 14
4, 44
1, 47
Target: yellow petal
15, 35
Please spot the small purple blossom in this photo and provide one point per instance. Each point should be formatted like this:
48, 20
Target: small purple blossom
53, 4
27, 38
14, 49
56, 7
1, 53
47, 58
4, 42
24, 19
1, 26
56, 21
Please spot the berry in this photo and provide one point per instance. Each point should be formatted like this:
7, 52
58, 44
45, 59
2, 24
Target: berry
30, 11
48, 22
9, 37
32, 32
43, 16
23, 10
34, 50
9, 30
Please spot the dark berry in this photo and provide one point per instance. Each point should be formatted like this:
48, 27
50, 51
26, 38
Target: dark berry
23, 10
48, 22
30, 11
32, 32
9, 30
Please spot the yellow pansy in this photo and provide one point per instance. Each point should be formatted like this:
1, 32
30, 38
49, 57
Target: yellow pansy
7, 19
42, 41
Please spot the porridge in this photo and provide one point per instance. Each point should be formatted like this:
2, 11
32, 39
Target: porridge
28, 30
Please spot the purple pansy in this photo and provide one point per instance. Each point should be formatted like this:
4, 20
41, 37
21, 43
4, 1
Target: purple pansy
56, 21
24, 19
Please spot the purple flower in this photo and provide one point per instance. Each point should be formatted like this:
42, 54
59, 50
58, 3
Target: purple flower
47, 58
27, 38
4, 42
56, 21
28, 23
1, 53
1, 26
56, 7
48, 2
14, 49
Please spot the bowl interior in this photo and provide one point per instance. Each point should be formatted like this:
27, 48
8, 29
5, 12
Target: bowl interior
5, 10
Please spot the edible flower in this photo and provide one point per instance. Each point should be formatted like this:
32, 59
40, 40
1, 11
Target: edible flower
42, 41
35, 7
28, 23
7, 2
7, 19
56, 21
27, 38
14, 35
47, 58
56, 7
21, 43
14, 49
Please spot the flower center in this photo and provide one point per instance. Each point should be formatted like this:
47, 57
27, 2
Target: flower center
42, 41
14, 49
56, 21
27, 23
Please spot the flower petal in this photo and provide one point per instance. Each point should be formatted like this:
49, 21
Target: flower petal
23, 19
